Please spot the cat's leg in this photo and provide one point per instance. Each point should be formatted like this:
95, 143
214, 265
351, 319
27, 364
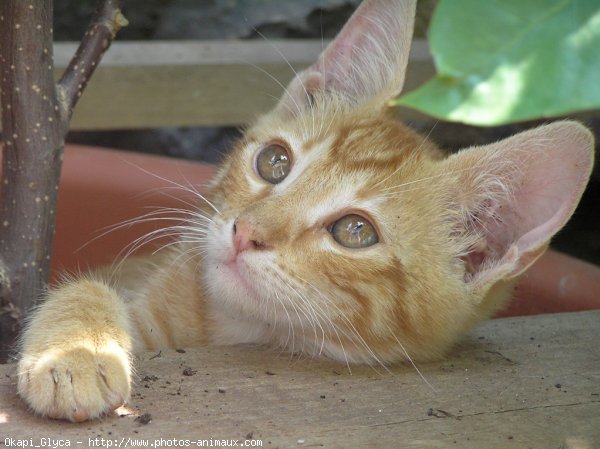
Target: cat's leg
75, 354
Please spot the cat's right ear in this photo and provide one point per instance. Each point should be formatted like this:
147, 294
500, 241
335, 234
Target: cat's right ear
515, 194
366, 62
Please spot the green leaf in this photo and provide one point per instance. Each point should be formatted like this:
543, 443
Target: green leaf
501, 61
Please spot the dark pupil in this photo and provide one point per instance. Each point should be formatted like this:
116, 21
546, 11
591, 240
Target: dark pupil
355, 227
278, 163
353, 231
273, 164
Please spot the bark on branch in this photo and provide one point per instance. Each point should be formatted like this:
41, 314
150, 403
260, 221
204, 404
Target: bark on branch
102, 30
35, 118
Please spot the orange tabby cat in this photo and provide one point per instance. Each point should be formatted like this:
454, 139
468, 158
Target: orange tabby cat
331, 230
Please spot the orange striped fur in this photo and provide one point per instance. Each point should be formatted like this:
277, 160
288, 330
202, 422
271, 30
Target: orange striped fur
260, 262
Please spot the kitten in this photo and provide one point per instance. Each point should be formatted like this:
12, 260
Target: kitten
330, 230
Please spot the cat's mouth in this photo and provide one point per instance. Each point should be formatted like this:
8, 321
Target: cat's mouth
237, 272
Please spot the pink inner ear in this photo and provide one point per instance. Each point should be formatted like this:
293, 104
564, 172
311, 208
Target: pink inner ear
544, 172
338, 61
366, 61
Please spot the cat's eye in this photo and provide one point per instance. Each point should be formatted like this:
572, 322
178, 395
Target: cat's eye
273, 163
354, 231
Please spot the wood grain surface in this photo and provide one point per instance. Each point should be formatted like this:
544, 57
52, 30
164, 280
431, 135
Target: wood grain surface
528, 382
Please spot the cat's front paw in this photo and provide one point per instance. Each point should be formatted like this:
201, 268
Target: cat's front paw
76, 384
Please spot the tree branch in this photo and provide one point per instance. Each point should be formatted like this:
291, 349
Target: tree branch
35, 119
105, 24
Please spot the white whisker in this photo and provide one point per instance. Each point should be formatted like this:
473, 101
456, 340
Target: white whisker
409, 358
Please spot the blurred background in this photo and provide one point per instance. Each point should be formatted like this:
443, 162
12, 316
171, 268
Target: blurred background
270, 21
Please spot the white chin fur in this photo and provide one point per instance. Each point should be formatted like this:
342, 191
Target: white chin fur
246, 306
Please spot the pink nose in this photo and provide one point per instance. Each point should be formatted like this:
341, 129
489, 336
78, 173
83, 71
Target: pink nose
244, 236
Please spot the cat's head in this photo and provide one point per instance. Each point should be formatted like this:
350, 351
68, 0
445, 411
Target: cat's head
342, 232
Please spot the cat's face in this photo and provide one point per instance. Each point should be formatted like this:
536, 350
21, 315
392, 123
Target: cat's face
341, 232
342, 246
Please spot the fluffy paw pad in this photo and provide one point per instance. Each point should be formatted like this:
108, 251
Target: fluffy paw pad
76, 384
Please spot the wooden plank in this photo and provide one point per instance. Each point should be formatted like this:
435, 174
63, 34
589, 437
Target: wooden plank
197, 83
529, 382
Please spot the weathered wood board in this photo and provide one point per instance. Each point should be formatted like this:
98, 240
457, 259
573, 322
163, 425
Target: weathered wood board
531, 382
199, 83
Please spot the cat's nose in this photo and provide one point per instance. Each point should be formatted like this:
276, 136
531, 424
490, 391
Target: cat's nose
245, 236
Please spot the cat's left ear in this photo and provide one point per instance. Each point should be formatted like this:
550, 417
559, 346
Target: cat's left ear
514, 195
366, 61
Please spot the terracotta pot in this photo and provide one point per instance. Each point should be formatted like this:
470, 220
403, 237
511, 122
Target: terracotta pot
101, 188
556, 283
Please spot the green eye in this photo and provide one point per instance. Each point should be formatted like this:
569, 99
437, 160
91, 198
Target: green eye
354, 231
273, 163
